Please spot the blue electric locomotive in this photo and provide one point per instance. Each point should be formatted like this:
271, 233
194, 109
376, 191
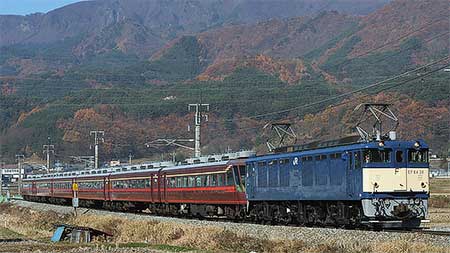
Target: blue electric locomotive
378, 183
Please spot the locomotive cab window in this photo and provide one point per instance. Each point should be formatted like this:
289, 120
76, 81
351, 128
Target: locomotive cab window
399, 156
418, 156
377, 156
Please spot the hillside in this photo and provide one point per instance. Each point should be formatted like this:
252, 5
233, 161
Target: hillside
130, 71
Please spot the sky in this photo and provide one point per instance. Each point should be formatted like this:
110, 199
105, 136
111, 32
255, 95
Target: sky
24, 7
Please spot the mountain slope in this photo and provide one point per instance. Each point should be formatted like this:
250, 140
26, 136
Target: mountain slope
94, 78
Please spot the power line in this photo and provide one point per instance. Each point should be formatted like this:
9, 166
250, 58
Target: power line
347, 93
366, 95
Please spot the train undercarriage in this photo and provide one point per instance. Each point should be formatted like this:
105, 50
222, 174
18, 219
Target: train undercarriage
342, 214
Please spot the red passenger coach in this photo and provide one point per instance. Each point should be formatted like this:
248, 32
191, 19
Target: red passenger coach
215, 188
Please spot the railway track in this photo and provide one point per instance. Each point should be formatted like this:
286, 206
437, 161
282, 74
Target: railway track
420, 231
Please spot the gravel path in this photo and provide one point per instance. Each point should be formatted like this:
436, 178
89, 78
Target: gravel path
308, 235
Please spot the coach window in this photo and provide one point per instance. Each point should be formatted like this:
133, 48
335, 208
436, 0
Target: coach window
204, 181
230, 180
191, 181
198, 181
172, 182
184, 182
220, 179
214, 181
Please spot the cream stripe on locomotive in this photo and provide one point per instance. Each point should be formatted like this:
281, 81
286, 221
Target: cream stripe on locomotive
395, 179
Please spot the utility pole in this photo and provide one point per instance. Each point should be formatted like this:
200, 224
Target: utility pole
98, 136
1, 177
19, 165
47, 150
198, 122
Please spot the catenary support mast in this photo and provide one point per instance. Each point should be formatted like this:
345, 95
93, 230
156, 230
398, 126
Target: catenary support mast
198, 122
47, 150
98, 136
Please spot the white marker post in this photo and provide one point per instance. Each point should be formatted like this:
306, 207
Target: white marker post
75, 197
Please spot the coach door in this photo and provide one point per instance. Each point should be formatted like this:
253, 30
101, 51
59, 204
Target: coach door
164, 196
51, 186
251, 183
33, 188
160, 185
152, 186
107, 188
354, 173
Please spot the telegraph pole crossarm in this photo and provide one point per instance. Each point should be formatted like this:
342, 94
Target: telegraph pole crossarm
167, 142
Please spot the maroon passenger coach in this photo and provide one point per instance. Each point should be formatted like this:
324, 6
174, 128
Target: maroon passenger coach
215, 188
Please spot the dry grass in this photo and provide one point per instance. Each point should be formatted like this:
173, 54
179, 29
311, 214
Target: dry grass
184, 236
439, 201
439, 216
30, 223
440, 185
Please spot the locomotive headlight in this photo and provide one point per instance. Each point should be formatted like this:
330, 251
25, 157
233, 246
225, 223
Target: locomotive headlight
381, 144
417, 144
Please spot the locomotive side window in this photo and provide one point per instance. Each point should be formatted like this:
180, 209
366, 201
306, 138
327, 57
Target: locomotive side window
417, 156
273, 175
377, 156
320, 157
284, 172
262, 175
335, 156
357, 156
350, 155
307, 158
